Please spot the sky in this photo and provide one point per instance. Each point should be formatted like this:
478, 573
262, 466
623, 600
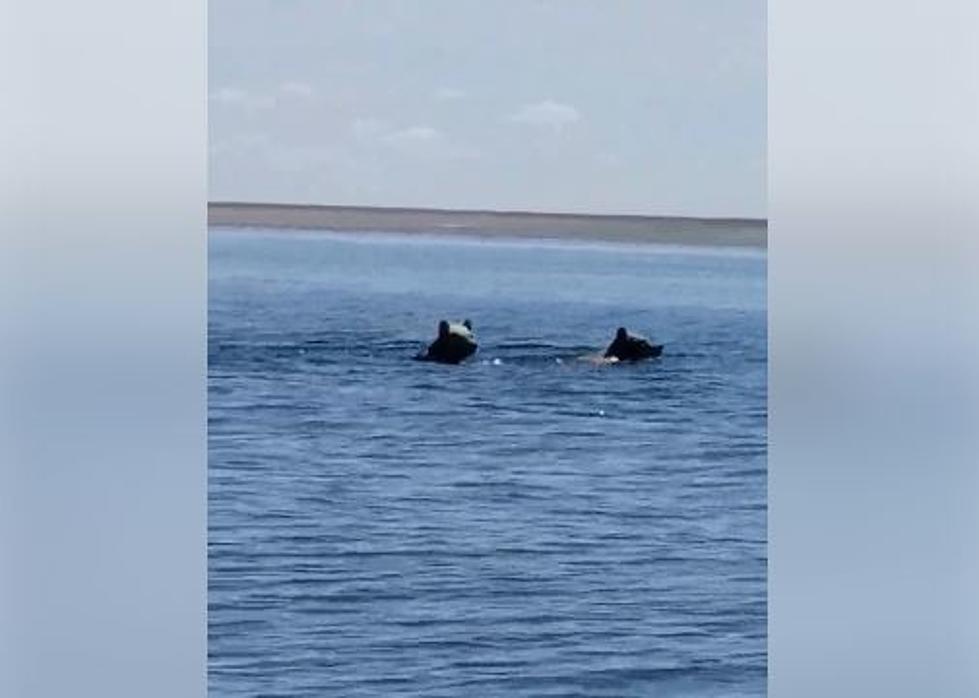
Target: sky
651, 107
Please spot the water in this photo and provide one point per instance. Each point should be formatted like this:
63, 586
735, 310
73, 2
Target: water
527, 524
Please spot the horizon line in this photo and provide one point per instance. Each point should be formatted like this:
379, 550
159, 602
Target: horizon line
494, 212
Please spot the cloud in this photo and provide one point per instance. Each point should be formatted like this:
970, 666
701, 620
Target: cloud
412, 135
546, 114
418, 140
297, 89
368, 128
235, 97
228, 94
257, 100
448, 94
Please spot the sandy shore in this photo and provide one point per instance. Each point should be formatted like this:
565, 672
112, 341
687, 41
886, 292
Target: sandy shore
713, 232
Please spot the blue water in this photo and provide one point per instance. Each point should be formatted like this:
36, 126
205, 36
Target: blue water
527, 524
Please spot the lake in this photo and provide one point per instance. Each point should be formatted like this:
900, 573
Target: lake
525, 524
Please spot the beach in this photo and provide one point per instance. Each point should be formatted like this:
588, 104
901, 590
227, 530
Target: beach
662, 230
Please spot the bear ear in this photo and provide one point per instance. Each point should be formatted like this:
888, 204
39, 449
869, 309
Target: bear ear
621, 333
467, 323
443, 328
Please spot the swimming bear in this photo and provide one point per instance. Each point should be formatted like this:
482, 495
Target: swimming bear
626, 347
454, 344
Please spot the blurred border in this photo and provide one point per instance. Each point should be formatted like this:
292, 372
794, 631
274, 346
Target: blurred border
873, 329
102, 349
874, 146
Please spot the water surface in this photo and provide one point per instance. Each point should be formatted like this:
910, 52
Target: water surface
527, 524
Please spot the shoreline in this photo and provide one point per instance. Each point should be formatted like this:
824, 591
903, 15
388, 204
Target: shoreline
519, 225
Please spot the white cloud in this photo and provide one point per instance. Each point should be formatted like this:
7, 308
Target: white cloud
297, 89
415, 141
546, 114
368, 128
229, 94
412, 135
235, 97
256, 100
447, 94
427, 142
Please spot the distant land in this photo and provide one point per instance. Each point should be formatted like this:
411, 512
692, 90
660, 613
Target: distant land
665, 230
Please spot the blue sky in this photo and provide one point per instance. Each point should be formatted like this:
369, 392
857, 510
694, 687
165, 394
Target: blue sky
653, 106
